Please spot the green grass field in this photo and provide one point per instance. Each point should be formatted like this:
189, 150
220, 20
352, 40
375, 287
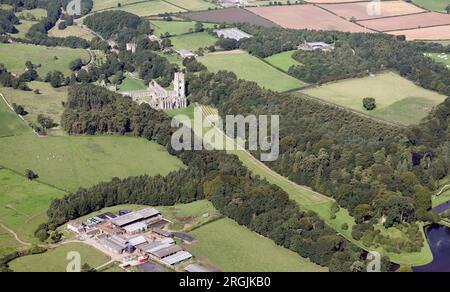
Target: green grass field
234, 248
73, 30
193, 41
441, 58
150, 8
398, 99
189, 112
130, 83
442, 198
23, 28
7, 243
251, 68
283, 61
436, 5
10, 124
192, 5
105, 4
48, 102
56, 260
15, 62
175, 27
23, 204
37, 13
81, 161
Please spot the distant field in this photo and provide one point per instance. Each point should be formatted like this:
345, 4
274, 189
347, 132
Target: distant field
436, 5
48, 102
73, 30
56, 260
81, 161
230, 16
234, 248
306, 17
283, 61
398, 100
175, 27
129, 84
37, 13
413, 21
23, 204
359, 10
251, 68
39, 55
427, 33
193, 41
193, 5
105, 4
150, 8
10, 124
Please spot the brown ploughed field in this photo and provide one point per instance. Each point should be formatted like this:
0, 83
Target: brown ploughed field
407, 21
428, 33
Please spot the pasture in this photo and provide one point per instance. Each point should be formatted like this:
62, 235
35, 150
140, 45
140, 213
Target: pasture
82, 161
10, 124
234, 248
56, 259
73, 30
251, 68
360, 10
24, 203
427, 33
33, 14
8, 243
175, 27
305, 17
23, 28
55, 58
48, 102
130, 84
283, 61
436, 5
150, 8
398, 99
413, 21
105, 4
229, 16
193, 41
193, 5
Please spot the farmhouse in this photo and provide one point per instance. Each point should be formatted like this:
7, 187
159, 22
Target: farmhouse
160, 98
232, 33
316, 46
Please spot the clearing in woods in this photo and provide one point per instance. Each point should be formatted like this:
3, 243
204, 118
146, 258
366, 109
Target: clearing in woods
193, 41
398, 99
251, 68
54, 58
283, 61
175, 27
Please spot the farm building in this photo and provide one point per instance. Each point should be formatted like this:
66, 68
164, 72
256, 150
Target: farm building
135, 228
162, 232
114, 244
132, 47
137, 241
186, 54
134, 217
183, 236
232, 33
75, 227
168, 251
194, 268
316, 46
179, 257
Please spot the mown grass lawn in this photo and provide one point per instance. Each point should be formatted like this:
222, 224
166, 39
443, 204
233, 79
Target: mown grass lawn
130, 84
48, 102
55, 260
283, 61
234, 248
398, 99
10, 124
193, 41
24, 203
14, 56
82, 161
251, 68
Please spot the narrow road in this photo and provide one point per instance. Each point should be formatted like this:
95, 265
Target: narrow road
443, 189
15, 235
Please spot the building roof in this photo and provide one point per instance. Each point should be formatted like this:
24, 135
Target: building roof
134, 216
112, 245
157, 245
135, 227
162, 232
186, 53
183, 236
194, 268
162, 253
232, 33
137, 240
176, 258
